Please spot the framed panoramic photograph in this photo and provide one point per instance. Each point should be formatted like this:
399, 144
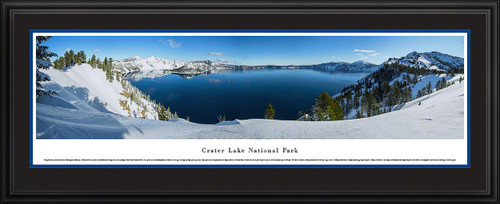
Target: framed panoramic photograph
275, 101
261, 98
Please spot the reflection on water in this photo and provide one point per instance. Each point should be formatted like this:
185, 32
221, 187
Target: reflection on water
243, 94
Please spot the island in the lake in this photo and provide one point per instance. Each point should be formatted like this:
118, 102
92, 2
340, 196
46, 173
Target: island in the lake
417, 95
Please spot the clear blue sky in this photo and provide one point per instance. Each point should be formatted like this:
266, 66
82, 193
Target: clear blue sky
257, 50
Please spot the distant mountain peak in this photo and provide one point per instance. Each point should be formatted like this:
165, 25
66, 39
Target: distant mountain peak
428, 60
412, 54
151, 58
361, 62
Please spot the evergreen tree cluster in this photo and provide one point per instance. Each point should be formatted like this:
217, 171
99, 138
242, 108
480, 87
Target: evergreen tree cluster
166, 114
453, 69
369, 104
106, 66
43, 62
425, 90
142, 100
374, 91
70, 59
43, 55
441, 84
325, 108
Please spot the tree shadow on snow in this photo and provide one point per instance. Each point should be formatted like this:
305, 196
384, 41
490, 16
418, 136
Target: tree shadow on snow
82, 93
61, 117
62, 123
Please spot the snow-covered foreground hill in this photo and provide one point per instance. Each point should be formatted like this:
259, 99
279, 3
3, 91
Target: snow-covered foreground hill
440, 115
86, 89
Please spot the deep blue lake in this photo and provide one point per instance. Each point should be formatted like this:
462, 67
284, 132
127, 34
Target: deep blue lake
244, 94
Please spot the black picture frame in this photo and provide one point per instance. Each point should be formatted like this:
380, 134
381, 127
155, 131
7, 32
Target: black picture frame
479, 183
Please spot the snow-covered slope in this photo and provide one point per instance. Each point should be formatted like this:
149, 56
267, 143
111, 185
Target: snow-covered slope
422, 82
439, 115
429, 60
83, 88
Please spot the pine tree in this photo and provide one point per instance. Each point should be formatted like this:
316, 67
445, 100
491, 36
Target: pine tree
118, 76
269, 113
67, 59
335, 111
357, 96
72, 57
93, 61
83, 57
324, 100
359, 114
42, 52
99, 63
162, 114
438, 85
394, 95
326, 108
62, 63
410, 94
105, 64
77, 58
80, 57
428, 88
56, 63
414, 79
43, 62
165, 114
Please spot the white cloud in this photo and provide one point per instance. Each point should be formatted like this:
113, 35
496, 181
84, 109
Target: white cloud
67, 49
387, 57
170, 42
216, 53
174, 44
371, 53
97, 50
222, 60
333, 57
364, 58
367, 51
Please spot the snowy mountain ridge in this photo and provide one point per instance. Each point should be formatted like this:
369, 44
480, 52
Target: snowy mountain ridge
137, 64
152, 65
358, 66
141, 64
429, 60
